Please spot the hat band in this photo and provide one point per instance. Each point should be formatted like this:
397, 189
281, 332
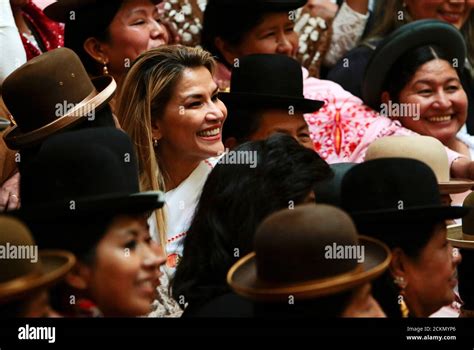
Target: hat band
276, 289
16, 139
73, 112
78, 109
467, 237
304, 286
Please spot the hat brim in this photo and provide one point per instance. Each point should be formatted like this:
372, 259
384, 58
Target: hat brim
283, 5
455, 236
59, 11
406, 38
54, 265
243, 100
455, 186
244, 280
135, 203
105, 87
410, 214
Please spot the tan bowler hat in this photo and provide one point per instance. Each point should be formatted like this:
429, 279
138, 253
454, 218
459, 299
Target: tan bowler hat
425, 149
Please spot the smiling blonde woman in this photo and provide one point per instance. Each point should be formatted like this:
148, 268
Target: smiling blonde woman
170, 108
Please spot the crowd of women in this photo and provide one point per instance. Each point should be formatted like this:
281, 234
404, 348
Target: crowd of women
236, 158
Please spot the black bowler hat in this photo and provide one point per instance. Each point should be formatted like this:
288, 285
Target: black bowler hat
329, 191
283, 4
393, 191
65, 10
268, 81
405, 39
280, 5
91, 172
267, 5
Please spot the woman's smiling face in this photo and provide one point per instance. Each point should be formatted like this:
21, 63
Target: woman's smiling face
127, 267
454, 12
191, 125
436, 89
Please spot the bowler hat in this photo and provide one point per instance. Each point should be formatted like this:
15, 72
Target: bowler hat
462, 236
426, 149
268, 81
329, 191
49, 93
292, 256
61, 10
394, 191
23, 274
406, 38
259, 5
87, 172
282, 5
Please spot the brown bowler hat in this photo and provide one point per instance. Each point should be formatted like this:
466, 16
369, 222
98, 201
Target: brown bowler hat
291, 256
22, 276
49, 93
462, 236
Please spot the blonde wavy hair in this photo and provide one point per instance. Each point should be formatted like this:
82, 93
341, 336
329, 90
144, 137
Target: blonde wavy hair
146, 90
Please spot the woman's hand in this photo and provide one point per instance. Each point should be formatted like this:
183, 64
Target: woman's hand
462, 168
10, 194
325, 9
